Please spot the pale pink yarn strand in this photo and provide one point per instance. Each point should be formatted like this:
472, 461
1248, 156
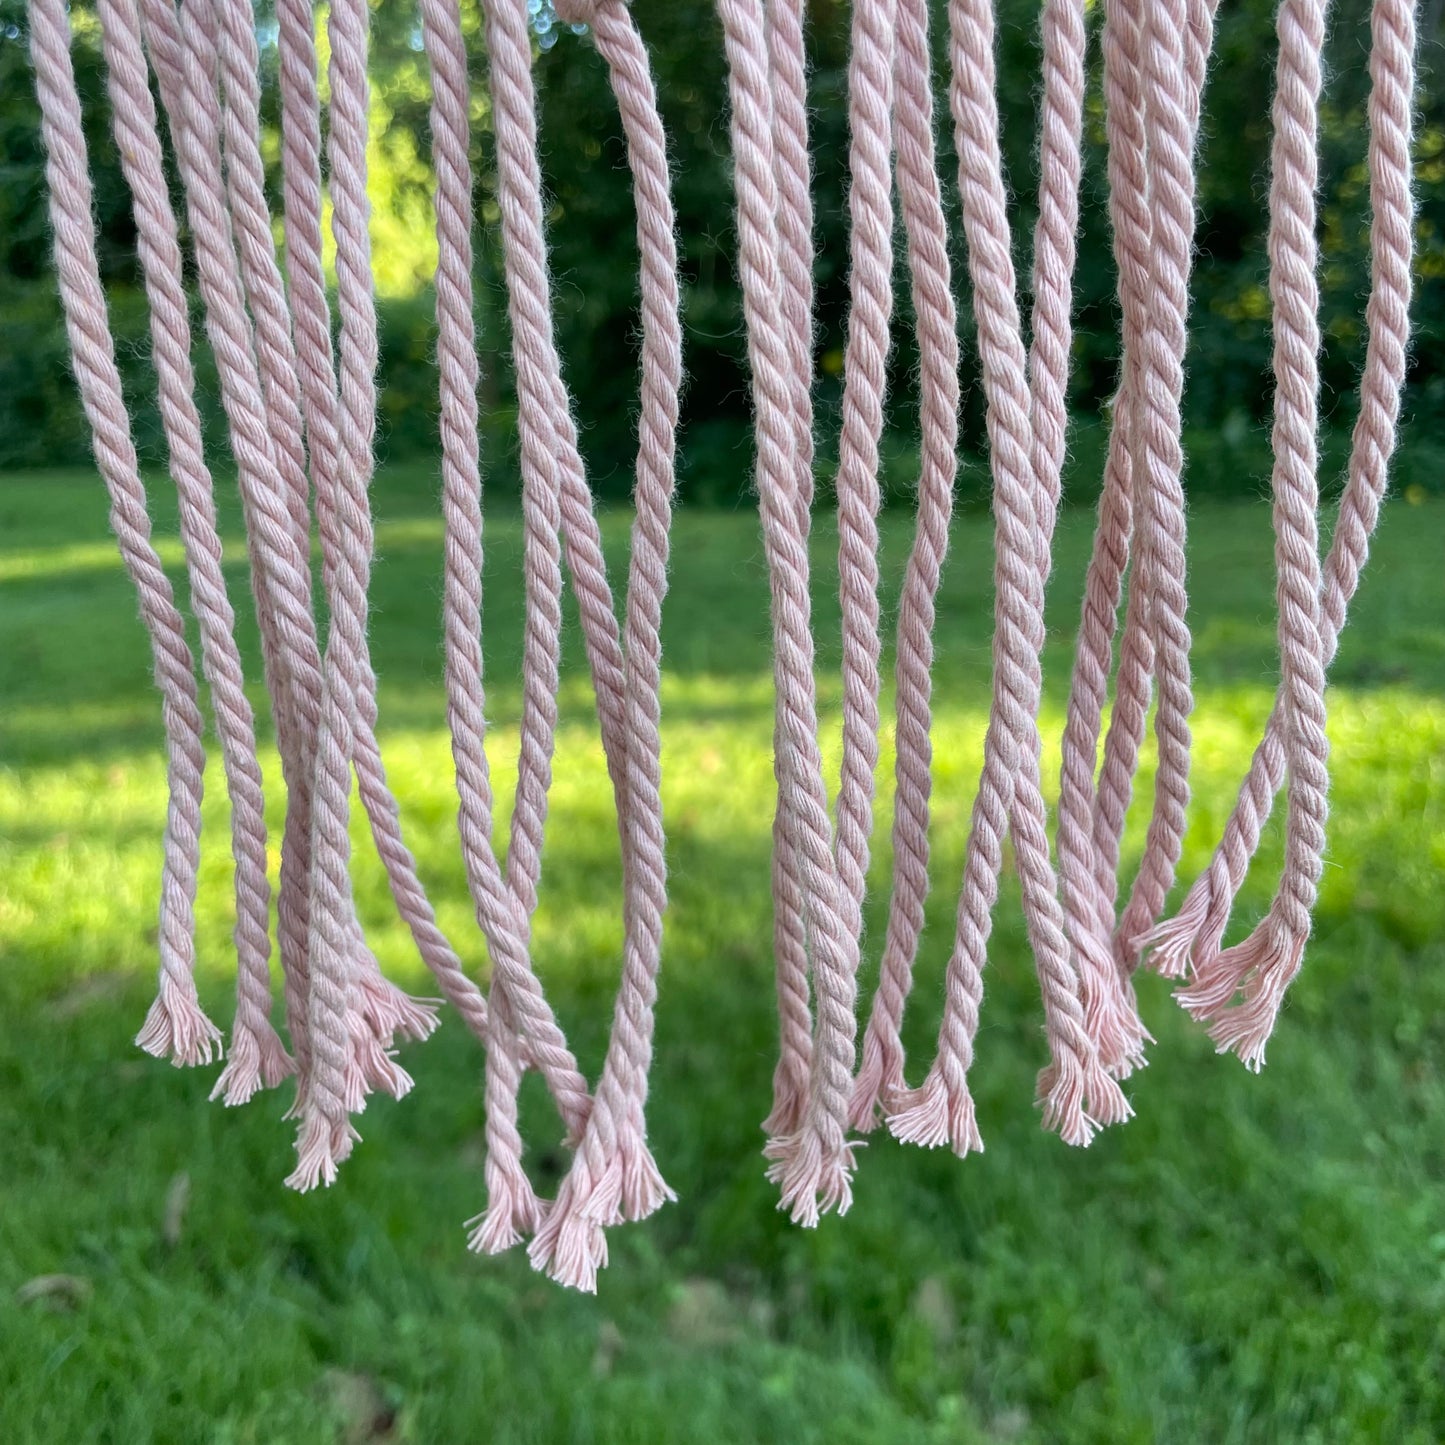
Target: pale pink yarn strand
513, 1208
301, 176
1170, 123
880, 1076
870, 209
289, 652
787, 61
1076, 1092
183, 54
823, 1157
257, 1057
1268, 960
1112, 998
613, 1176
176, 1027
345, 1057
1195, 933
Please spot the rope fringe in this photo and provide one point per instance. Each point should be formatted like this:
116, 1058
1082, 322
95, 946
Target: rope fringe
301, 417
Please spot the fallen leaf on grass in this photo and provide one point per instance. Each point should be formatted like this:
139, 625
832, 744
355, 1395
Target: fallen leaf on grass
56, 1291
366, 1414
98, 988
610, 1345
173, 1217
703, 1313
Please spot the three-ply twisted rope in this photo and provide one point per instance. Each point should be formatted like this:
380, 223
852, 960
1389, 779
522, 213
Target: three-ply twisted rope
1110, 1014
880, 1074
257, 1057
613, 1175
314, 365
334, 1013
175, 1028
1077, 1094
1194, 935
1168, 36
821, 1161
787, 68
1267, 962
279, 580
1125, 86
796, 1154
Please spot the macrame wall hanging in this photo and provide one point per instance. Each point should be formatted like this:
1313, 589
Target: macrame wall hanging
301, 419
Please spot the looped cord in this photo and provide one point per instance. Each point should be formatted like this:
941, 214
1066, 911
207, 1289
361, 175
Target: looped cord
176, 1028
819, 1158
1023, 398
1091, 819
257, 1057
1264, 964
880, 1079
808, 1163
787, 63
613, 1175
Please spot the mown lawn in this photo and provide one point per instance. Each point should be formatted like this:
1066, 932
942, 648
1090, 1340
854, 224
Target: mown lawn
1248, 1260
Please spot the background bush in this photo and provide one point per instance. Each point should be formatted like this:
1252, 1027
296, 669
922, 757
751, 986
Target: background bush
591, 232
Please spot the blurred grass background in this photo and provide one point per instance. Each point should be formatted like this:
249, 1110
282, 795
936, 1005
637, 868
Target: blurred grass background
1247, 1260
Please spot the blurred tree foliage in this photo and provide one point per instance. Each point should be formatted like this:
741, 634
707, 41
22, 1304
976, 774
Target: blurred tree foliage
594, 254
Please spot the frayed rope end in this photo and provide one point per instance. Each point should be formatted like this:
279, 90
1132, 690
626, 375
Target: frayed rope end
257, 1061
1270, 960
513, 1213
937, 1114
393, 1013
877, 1087
176, 1028
322, 1144
571, 1244
814, 1179
790, 1101
1080, 1099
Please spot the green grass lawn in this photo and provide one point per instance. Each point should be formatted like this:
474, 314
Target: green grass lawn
1250, 1259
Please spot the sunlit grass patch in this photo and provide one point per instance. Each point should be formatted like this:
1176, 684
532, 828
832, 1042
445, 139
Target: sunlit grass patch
1248, 1260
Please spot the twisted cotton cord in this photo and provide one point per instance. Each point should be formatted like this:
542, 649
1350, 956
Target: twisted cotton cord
870, 212
230, 56
312, 364
175, 1028
318, 754
257, 1057
1110, 1012
195, 135
292, 662
524, 254
1195, 933
1159, 458
613, 1174
870, 208
822, 1178
1268, 961
787, 62
576, 524
513, 1209
382, 1011
1061, 167
325, 1134
1159, 591
1129, 718
880, 1076
1076, 1093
